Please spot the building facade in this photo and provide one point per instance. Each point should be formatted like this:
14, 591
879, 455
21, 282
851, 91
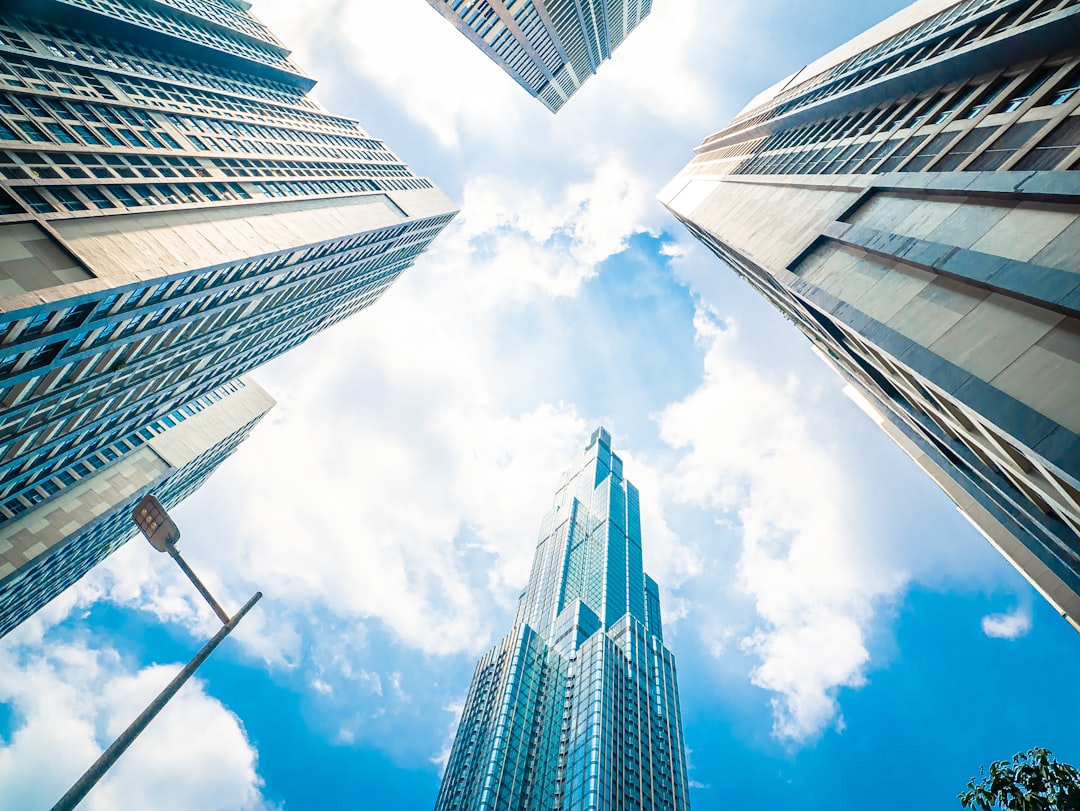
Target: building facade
46, 549
175, 210
911, 201
549, 47
577, 708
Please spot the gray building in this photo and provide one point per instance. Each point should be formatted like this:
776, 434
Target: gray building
175, 210
911, 202
578, 707
549, 47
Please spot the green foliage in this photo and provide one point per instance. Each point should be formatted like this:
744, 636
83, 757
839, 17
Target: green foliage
1031, 781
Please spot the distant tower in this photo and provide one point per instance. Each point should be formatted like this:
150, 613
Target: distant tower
175, 210
578, 707
549, 47
911, 201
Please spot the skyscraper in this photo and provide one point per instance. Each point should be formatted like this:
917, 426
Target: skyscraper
911, 202
175, 210
549, 47
46, 549
577, 708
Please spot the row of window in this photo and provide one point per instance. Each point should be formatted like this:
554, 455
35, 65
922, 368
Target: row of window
116, 196
188, 29
38, 167
237, 136
989, 25
59, 475
21, 73
246, 167
87, 48
853, 142
225, 15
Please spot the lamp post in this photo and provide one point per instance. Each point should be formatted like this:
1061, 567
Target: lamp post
163, 534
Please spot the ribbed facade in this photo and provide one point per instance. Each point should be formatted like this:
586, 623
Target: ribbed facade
578, 707
549, 47
175, 210
911, 202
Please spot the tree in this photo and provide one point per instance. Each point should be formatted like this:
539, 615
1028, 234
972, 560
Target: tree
1032, 781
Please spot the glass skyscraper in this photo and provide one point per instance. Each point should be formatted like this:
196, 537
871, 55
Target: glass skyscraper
175, 210
577, 708
911, 201
549, 47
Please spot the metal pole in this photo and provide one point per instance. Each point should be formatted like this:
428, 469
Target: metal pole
85, 783
198, 583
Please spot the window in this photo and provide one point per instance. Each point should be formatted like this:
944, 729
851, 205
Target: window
1024, 90
31, 131
986, 96
67, 199
35, 200
1063, 90
96, 196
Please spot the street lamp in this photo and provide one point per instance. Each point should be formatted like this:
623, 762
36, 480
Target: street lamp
163, 534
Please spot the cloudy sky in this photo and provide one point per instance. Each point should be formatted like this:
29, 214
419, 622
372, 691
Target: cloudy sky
844, 637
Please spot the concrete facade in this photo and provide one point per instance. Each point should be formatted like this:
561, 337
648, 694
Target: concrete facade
911, 202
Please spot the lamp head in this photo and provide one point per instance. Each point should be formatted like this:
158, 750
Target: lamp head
152, 520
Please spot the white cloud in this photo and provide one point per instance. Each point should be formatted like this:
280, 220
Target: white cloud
70, 702
813, 576
1009, 625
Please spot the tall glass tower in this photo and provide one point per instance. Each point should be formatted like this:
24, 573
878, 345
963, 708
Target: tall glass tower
175, 210
577, 709
549, 47
911, 201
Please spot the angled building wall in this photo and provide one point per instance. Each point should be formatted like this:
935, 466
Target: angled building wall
911, 202
49, 548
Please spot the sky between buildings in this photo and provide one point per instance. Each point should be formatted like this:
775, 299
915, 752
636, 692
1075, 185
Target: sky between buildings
844, 637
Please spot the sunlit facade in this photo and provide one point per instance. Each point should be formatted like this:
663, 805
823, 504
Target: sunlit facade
175, 210
911, 201
577, 708
549, 47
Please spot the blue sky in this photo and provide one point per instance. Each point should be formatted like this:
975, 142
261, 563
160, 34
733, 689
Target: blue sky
844, 637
